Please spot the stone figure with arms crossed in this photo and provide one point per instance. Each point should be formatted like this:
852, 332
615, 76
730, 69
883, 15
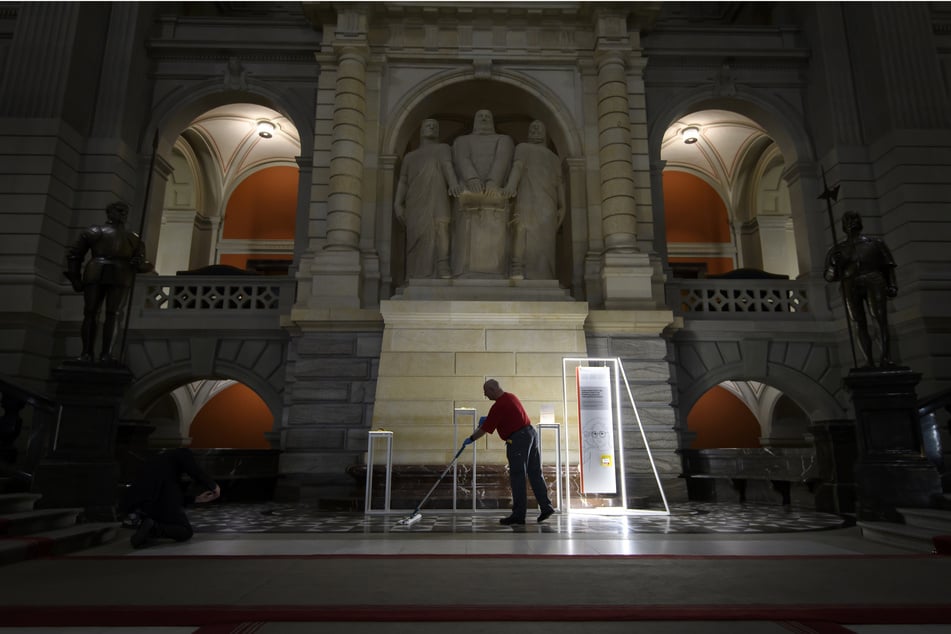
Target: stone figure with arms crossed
422, 205
536, 184
866, 269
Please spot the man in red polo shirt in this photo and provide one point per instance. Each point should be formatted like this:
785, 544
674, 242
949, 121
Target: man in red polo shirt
521, 448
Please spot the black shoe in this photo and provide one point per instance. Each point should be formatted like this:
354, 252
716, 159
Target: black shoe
511, 520
544, 515
143, 534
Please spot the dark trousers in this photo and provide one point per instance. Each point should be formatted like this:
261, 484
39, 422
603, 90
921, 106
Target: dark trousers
521, 449
173, 526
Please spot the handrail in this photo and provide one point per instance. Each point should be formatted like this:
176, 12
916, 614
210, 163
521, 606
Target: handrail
48, 412
930, 404
27, 396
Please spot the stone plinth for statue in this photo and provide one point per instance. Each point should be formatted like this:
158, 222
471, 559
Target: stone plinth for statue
80, 467
436, 354
836, 458
480, 236
891, 471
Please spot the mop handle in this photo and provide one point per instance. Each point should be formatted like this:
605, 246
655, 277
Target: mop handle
448, 467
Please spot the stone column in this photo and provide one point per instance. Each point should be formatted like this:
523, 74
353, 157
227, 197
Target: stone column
614, 155
626, 274
337, 272
804, 184
39, 60
577, 217
305, 166
154, 205
388, 178
346, 150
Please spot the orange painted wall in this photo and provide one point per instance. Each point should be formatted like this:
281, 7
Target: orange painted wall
263, 206
693, 210
235, 418
722, 420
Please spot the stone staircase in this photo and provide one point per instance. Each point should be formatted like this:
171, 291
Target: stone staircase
27, 532
919, 530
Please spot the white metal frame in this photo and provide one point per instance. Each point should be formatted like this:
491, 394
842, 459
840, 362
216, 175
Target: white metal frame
619, 442
388, 437
457, 414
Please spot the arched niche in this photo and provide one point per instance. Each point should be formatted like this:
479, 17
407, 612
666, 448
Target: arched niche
514, 103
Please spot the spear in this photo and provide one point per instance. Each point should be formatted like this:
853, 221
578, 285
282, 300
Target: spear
830, 195
145, 208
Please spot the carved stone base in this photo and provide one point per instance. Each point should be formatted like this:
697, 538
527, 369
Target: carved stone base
891, 471
887, 485
79, 468
483, 290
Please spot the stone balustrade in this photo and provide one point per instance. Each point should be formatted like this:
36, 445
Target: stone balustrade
740, 299
170, 301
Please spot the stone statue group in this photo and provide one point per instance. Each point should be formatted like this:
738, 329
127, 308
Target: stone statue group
484, 207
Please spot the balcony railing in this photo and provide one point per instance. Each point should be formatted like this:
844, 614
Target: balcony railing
739, 299
241, 301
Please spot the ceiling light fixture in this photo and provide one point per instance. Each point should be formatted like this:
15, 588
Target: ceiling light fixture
265, 129
690, 134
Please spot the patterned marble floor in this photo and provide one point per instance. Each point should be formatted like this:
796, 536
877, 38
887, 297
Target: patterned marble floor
695, 518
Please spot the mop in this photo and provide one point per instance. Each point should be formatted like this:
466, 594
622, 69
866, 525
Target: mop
416, 515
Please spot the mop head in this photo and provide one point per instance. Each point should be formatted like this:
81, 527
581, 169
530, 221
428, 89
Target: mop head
412, 519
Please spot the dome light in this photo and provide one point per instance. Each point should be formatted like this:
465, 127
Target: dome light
265, 129
690, 134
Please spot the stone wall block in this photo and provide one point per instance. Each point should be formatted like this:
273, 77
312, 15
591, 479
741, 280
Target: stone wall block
325, 413
333, 368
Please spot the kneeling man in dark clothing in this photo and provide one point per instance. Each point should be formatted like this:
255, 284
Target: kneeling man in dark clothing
157, 497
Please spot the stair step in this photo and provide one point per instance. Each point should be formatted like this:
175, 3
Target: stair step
28, 522
60, 541
17, 502
936, 520
899, 535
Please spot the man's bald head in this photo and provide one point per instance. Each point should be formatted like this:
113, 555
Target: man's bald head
492, 389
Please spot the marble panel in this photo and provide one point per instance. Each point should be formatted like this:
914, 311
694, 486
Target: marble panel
485, 364
419, 364
571, 341
454, 339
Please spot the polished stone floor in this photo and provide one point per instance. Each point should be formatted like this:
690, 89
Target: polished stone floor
693, 518
289, 569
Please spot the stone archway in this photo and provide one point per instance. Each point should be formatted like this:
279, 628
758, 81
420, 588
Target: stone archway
784, 125
175, 111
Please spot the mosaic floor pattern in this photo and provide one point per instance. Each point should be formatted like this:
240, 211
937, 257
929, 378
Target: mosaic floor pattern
684, 518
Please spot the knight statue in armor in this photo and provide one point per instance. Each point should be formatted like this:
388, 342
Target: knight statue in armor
116, 255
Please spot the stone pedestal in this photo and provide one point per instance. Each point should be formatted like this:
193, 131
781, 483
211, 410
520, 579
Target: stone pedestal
891, 471
80, 467
480, 230
836, 455
436, 354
